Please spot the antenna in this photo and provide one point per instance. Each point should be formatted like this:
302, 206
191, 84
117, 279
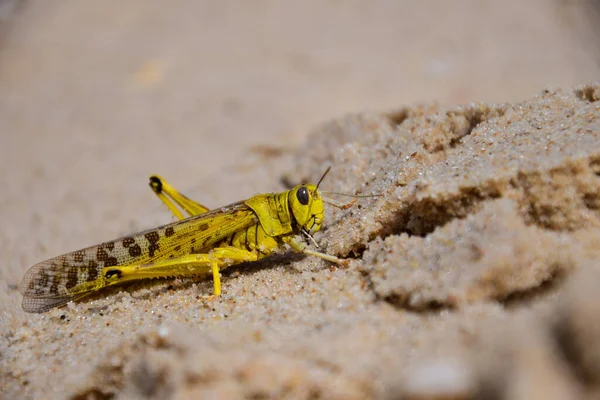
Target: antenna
323, 177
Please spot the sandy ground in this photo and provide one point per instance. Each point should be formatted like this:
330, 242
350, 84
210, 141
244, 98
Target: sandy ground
474, 274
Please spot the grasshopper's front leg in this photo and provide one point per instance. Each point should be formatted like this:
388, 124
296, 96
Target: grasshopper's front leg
301, 247
188, 265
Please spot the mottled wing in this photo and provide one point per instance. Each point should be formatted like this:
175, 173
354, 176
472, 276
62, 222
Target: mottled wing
57, 281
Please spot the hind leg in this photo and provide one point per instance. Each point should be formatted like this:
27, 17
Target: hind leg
168, 195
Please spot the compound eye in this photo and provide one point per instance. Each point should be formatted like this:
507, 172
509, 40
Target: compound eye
302, 195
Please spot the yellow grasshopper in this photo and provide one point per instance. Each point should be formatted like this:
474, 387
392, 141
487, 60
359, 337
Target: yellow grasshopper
204, 243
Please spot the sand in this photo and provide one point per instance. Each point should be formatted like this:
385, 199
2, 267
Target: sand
474, 274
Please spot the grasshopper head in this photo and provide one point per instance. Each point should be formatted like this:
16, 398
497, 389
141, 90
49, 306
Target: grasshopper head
307, 207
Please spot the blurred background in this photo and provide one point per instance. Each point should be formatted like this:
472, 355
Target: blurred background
97, 95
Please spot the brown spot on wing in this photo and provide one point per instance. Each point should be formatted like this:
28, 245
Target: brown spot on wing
203, 227
42, 280
135, 251
54, 286
72, 277
110, 262
101, 254
92, 270
170, 231
110, 246
78, 256
152, 237
128, 241
152, 249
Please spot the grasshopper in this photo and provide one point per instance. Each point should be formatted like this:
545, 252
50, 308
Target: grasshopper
204, 243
